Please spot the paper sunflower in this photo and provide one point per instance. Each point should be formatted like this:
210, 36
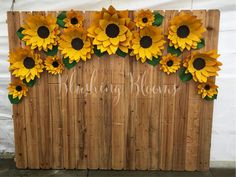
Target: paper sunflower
75, 44
147, 43
111, 31
25, 64
202, 65
185, 31
170, 63
17, 89
40, 32
54, 65
207, 90
73, 19
144, 18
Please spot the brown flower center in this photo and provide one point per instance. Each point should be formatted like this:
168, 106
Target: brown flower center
74, 21
170, 63
18, 88
43, 32
144, 20
207, 87
29, 63
199, 63
77, 43
112, 30
146, 41
183, 31
55, 64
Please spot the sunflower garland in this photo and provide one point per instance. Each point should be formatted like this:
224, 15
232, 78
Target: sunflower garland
17, 90
147, 43
25, 64
54, 65
75, 45
185, 31
40, 32
202, 65
111, 31
208, 90
170, 63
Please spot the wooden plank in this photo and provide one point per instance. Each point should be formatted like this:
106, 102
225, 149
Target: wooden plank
13, 21
194, 115
212, 25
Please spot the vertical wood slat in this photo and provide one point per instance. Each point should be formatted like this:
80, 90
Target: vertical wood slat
89, 130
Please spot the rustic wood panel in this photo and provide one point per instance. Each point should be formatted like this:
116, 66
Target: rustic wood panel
166, 129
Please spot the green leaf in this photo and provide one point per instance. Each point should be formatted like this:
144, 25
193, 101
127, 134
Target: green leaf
30, 83
210, 99
201, 44
154, 61
67, 64
53, 51
158, 19
173, 50
14, 100
19, 33
184, 76
98, 52
121, 53
60, 19
62, 15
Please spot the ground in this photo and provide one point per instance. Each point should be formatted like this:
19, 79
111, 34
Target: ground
7, 169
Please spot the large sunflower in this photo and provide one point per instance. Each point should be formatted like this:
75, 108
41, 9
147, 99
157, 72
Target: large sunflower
144, 18
111, 31
207, 89
185, 31
25, 64
54, 65
202, 65
73, 19
17, 89
147, 43
170, 63
75, 44
40, 32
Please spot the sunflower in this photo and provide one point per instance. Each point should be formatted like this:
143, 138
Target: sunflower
144, 18
75, 44
185, 31
40, 32
207, 90
147, 43
73, 19
202, 65
25, 64
54, 65
170, 63
111, 31
17, 89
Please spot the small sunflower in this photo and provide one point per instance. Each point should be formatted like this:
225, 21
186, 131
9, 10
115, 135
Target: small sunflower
144, 18
170, 63
17, 89
54, 65
147, 43
207, 90
202, 65
40, 32
73, 19
111, 31
75, 44
25, 64
185, 31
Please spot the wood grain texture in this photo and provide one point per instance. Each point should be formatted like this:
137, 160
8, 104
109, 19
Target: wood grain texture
103, 113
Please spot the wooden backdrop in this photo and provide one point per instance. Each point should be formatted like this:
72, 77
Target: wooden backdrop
58, 129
